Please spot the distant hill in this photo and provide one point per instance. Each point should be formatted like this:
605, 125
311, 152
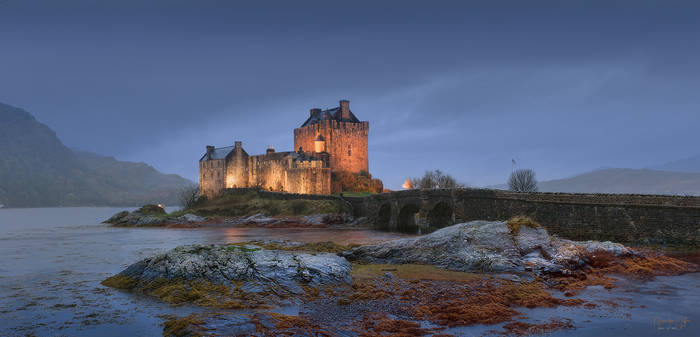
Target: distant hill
691, 164
621, 180
37, 170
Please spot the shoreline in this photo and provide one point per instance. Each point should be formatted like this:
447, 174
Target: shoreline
405, 286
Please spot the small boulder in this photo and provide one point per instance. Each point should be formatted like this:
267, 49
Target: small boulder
189, 218
117, 218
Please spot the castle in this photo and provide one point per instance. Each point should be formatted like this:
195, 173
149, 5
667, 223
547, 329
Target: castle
329, 141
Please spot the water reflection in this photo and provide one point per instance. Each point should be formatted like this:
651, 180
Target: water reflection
53, 260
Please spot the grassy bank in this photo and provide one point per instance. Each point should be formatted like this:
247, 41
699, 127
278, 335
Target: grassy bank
254, 202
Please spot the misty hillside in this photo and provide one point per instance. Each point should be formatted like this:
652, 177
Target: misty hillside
691, 164
617, 180
37, 170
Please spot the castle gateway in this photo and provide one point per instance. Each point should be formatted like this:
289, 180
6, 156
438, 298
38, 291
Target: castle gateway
329, 141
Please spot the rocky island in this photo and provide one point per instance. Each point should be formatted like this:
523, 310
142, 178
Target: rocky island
471, 273
246, 208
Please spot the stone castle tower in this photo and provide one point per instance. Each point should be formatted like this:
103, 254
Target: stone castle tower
337, 132
331, 140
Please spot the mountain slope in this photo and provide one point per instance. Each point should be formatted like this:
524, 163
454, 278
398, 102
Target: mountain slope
691, 164
36, 170
634, 181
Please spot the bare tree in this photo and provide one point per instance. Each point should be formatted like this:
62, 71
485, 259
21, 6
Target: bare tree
523, 180
188, 196
434, 179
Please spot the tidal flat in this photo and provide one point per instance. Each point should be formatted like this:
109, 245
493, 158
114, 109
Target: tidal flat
54, 261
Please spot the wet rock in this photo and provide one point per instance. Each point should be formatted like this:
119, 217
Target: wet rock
360, 222
147, 216
531, 239
486, 246
263, 269
314, 219
473, 246
191, 218
117, 218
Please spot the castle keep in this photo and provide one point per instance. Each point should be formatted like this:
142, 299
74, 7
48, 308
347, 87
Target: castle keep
329, 141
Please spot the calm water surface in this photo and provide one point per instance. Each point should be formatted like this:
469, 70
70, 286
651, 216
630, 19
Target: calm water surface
53, 259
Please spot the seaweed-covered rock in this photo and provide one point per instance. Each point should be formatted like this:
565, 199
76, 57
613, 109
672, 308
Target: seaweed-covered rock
149, 216
487, 246
256, 268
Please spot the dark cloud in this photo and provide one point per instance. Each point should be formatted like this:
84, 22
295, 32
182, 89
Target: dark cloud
464, 86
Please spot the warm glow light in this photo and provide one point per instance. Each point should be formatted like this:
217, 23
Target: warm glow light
407, 185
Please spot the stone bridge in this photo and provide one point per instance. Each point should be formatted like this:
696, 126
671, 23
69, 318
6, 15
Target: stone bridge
632, 219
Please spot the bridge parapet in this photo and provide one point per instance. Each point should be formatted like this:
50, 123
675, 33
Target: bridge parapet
631, 219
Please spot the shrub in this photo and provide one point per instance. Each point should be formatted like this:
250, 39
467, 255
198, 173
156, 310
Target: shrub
188, 196
151, 209
433, 179
523, 180
355, 182
272, 208
516, 222
298, 207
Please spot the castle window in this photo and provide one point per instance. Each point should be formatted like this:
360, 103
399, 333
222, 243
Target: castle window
349, 150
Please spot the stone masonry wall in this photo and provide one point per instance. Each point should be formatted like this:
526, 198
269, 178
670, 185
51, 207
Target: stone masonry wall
308, 180
345, 142
212, 176
629, 219
237, 169
268, 173
271, 172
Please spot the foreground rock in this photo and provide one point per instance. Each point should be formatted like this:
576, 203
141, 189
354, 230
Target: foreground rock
152, 215
233, 276
405, 284
489, 247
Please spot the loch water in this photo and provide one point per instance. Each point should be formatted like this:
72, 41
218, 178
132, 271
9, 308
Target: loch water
52, 261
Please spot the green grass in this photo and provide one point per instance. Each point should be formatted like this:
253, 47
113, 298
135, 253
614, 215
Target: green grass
355, 194
252, 202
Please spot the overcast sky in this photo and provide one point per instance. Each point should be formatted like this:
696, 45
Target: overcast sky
463, 86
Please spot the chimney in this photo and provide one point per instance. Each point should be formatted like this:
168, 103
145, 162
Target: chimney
314, 112
270, 150
344, 109
210, 150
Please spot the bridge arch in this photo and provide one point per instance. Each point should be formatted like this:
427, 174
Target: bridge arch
441, 215
407, 220
384, 216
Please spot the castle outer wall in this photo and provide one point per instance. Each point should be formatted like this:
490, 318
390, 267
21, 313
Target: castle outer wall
212, 177
331, 140
346, 143
273, 171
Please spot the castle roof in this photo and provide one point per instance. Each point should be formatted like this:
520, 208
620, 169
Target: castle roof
221, 153
218, 153
330, 114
